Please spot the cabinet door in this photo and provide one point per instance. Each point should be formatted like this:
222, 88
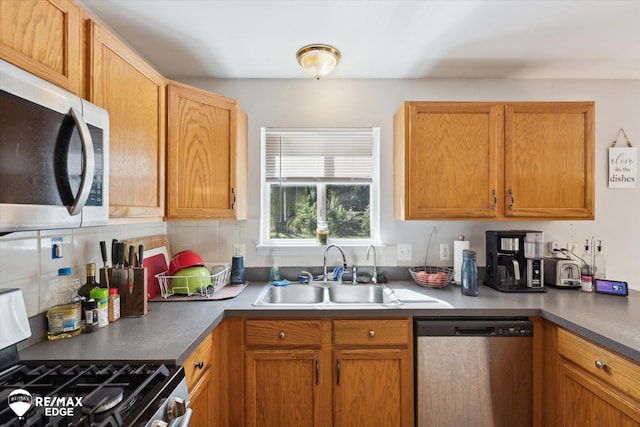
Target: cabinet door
283, 388
134, 94
206, 142
44, 38
585, 401
445, 160
549, 161
373, 388
200, 397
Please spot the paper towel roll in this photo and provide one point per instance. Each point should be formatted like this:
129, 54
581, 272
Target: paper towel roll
458, 247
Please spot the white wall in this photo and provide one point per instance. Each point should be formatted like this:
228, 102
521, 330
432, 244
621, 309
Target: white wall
335, 102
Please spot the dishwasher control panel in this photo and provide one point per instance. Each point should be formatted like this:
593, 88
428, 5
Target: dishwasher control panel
514, 331
474, 327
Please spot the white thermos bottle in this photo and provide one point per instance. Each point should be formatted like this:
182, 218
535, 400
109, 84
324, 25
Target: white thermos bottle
458, 246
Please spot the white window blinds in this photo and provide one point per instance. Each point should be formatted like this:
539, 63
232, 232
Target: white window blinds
321, 156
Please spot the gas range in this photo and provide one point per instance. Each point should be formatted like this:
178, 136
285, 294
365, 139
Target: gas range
85, 394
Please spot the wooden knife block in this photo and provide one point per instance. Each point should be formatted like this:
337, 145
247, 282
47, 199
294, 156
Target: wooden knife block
134, 303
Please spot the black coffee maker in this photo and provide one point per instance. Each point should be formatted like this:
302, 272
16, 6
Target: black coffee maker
514, 260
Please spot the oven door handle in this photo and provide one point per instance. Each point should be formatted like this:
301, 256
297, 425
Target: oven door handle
182, 421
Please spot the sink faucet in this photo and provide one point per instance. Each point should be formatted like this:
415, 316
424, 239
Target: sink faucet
344, 259
374, 279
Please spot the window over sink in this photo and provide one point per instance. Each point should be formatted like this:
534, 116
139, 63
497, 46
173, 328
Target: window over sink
315, 176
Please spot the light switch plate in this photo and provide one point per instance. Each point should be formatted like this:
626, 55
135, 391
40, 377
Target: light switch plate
239, 249
405, 252
445, 251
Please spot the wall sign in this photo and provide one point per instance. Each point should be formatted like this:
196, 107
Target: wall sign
623, 164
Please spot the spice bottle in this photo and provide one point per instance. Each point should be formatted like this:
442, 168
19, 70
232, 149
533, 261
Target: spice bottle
90, 315
101, 295
114, 304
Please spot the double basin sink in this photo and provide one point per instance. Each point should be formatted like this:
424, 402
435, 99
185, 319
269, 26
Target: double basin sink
328, 294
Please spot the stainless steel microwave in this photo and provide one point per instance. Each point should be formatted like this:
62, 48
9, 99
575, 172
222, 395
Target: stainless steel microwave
54, 156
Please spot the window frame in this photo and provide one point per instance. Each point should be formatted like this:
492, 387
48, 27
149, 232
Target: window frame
265, 199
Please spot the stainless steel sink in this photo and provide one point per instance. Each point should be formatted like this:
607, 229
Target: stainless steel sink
358, 294
295, 294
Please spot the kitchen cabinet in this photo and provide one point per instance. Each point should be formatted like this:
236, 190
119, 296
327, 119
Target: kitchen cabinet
494, 161
374, 373
328, 372
596, 386
198, 371
134, 94
44, 37
206, 155
285, 378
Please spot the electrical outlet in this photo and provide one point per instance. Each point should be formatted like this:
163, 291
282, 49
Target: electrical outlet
571, 247
239, 249
554, 247
405, 252
445, 249
56, 247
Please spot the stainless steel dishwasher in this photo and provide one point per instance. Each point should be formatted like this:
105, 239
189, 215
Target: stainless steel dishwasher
473, 372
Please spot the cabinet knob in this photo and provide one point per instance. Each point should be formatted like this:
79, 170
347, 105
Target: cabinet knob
601, 365
372, 333
281, 335
199, 364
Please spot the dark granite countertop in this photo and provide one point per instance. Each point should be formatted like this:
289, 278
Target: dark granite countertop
172, 330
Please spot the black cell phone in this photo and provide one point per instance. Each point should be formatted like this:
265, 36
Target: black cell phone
611, 287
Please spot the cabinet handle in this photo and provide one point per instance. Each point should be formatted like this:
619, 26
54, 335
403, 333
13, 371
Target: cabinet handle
317, 371
233, 203
372, 333
513, 199
281, 335
338, 366
199, 364
601, 365
495, 199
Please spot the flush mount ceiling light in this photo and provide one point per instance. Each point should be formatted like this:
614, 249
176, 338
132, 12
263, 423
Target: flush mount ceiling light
318, 59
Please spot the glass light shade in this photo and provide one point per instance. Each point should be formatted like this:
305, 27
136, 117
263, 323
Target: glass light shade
318, 60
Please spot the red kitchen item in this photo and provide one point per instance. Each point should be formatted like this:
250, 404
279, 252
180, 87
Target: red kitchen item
184, 259
155, 261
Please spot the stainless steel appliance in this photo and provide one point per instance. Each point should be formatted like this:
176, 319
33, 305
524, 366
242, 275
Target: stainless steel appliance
473, 372
514, 260
82, 394
562, 273
54, 156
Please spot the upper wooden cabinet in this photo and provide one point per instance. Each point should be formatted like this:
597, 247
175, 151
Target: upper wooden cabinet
43, 37
206, 155
134, 94
486, 161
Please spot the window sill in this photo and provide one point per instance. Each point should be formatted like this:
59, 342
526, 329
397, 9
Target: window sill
313, 249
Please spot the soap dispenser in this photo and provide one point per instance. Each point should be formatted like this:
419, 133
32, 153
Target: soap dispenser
274, 274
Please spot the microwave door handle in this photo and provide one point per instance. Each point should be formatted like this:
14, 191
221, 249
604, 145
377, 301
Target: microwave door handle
89, 163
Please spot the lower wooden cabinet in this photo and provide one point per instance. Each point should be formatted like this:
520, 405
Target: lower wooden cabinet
319, 372
198, 370
597, 387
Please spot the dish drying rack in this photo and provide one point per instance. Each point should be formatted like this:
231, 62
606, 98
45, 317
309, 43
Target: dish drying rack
219, 280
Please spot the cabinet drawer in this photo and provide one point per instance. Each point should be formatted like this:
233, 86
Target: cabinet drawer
371, 332
198, 362
617, 371
284, 333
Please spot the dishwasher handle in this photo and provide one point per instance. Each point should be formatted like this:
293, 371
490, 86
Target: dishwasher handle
476, 331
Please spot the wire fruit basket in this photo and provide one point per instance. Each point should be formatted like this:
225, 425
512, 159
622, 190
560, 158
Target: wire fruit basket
220, 275
432, 277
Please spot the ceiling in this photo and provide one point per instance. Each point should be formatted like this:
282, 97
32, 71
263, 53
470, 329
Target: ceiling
574, 39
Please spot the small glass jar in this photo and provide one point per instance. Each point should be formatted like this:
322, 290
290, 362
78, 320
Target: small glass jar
322, 233
469, 273
101, 295
90, 315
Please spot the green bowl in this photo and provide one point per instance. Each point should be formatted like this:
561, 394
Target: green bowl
190, 280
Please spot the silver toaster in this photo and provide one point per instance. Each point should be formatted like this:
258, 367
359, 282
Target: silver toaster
561, 273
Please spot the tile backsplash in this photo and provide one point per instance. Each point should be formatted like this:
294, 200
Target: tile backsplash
26, 257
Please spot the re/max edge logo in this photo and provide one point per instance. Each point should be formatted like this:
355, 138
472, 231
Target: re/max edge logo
20, 401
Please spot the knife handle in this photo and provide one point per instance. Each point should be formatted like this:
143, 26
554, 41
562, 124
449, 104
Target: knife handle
103, 251
131, 251
140, 255
114, 252
122, 247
